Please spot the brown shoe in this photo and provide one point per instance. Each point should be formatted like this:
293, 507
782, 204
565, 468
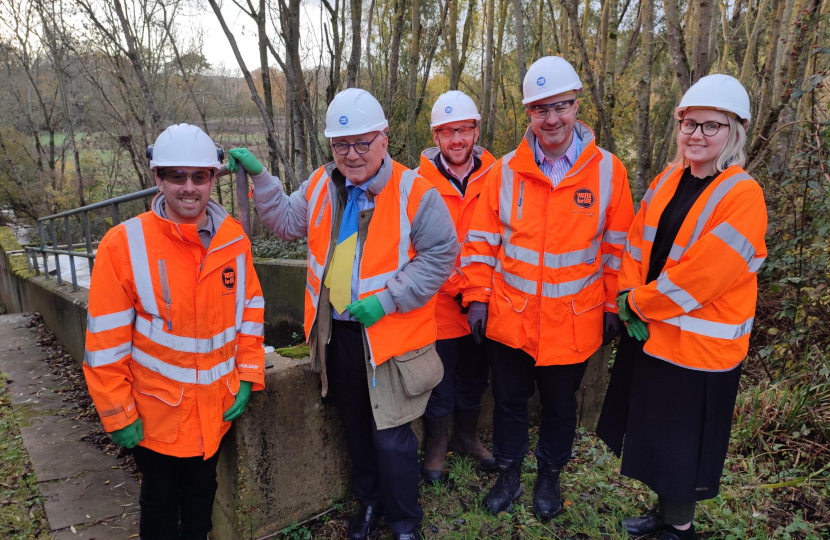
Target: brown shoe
435, 451
465, 440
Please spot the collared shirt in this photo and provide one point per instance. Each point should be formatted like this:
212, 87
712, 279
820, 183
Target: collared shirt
460, 178
556, 169
206, 232
458, 182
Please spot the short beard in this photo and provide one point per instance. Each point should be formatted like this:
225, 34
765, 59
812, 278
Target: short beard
458, 163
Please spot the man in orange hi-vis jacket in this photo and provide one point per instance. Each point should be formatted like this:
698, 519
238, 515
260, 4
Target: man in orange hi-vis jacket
174, 335
539, 266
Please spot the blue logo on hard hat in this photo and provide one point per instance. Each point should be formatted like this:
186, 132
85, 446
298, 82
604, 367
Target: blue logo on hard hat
344, 120
540, 81
448, 110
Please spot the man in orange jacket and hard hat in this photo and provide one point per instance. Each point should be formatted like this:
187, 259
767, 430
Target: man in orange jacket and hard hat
540, 266
174, 335
380, 244
456, 167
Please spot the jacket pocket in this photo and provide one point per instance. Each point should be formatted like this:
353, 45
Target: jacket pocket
228, 391
587, 316
421, 370
505, 313
157, 401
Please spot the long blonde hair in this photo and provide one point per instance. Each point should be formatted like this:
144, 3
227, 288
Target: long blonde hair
731, 154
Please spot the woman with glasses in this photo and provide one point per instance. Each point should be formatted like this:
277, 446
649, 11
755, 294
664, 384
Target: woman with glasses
687, 296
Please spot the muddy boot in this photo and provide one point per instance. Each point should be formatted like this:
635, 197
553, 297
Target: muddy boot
465, 440
507, 489
547, 501
435, 451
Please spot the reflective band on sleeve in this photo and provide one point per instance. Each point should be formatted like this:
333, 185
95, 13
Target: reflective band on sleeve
649, 233
606, 187
156, 333
241, 286
107, 356
520, 253
611, 261
494, 239
676, 294
734, 239
614, 237
256, 302
141, 266
676, 252
102, 323
572, 258
315, 298
567, 288
756, 263
184, 375
710, 328
467, 261
252, 328
635, 252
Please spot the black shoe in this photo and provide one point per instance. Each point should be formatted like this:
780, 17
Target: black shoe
670, 533
411, 535
547, 502
363, 523
507, 489
648, 523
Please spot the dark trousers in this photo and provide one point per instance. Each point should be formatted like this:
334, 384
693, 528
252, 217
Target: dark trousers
175, 491
515, 377
466, 369
385, 461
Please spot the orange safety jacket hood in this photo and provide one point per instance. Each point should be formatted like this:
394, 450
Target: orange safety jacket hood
451, 322
546, 259
172, 329
701, 308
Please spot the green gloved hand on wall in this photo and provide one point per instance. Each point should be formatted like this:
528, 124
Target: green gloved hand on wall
635, 327
239, 403
367, 311
130, 436
244, 157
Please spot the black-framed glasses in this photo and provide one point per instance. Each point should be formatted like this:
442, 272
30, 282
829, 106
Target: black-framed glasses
179, 177
560, 108
709, 129
448, 133
361, 147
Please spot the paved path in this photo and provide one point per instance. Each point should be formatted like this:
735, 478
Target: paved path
82, 487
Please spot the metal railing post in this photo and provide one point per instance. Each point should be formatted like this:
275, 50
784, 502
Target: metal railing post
116, 215
36, 264
88, 240
70, 247
42, 247
58, 275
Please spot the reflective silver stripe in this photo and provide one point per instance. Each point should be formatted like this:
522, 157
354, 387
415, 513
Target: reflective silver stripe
494, 239
572, 258
717, 196
141, 266
635, 252
734, 239
315, 194
606, 187
649, 233
154, 331
107, 356
256, 302
676, 252
650, 192
241, 285
756, 263
611, 261
710, 328
102, 323
315, 298
520, 253
506, 197
676, 294
184, 375
614, 237
316, 268
567, 288
524, 285
376, 282
226, 244
467, 261
252, 328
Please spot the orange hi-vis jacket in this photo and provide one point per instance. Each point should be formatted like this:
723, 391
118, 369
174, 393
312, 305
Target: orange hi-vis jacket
386, 251
546, 259
172, 329
701, 308
451, 322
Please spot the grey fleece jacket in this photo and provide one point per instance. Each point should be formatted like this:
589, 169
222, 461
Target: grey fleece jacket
433, 234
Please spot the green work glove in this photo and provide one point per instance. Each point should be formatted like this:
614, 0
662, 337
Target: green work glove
245, 158
129, 436
635, 327
241, 401
367, 311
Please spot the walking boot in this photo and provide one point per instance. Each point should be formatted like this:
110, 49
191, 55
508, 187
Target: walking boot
670, 533
465, 440
507, 489
364, 523
547, 501
435, 452
647, 523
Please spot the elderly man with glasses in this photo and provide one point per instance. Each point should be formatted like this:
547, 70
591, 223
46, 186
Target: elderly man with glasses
381, 243
539, 266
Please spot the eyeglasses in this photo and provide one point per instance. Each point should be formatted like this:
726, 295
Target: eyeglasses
361, 147
560, 108
179, 177
448, 133
709, 129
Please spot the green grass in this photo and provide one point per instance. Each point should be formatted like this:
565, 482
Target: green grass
21, 508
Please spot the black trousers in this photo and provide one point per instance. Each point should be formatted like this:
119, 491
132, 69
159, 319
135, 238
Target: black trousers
384, 461
466, 369
175, 491
515, 378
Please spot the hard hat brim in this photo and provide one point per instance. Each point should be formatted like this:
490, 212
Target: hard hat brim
678, 111
380, 126
475, 117
555, 91
154, 164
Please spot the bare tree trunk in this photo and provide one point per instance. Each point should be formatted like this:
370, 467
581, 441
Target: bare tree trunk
749, 55
487, 78
354, 60
414, 55
677, 48
766, 84
451, 39
335, 50
644, 101
610, 55
700, 43
465, 39
369, 70
394, 57
518, 14
491, 114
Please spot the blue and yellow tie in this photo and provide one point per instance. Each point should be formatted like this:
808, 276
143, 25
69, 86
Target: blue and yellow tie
339, 277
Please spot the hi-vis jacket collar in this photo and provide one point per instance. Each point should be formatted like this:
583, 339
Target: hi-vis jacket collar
524, 160
228, 230
445, 188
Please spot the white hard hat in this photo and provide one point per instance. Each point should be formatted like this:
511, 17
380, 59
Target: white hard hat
354, 112
549, 76
184, 145
453, 106
720, 92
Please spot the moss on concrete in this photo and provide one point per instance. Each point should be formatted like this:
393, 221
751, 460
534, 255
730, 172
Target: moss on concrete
8, 241
297, 351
